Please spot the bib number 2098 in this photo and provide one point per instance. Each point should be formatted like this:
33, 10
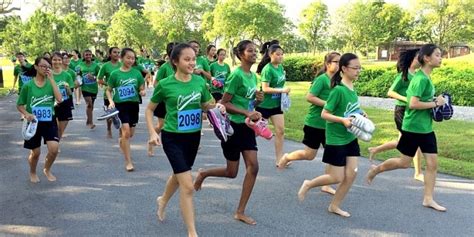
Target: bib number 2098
189, 119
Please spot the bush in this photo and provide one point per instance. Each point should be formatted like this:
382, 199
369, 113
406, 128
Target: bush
376, 80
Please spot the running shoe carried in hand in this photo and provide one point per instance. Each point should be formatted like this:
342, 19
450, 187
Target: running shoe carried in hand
218, 121
260, 128
285, 102
360, 134
216, 83
108, 113
228, 128
361, 127
444, 112
29, 128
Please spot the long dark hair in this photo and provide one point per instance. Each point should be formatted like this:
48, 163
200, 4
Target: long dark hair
426, 50
343, 62
176, 53
327, 60
266, 56
405, 60
209, 47
109, 58
31, 71
170, 46
77, 52
240, 48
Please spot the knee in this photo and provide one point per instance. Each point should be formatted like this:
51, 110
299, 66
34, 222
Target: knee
231, 173
35, 154
338, 177
253, 169
280, 132
89, 105
431, 166
406, 163
309, 155
186, 189
351, 174
126, 134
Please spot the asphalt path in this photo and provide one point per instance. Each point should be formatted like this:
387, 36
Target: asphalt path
94, 196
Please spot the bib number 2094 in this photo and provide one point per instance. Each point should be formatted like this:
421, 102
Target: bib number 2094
189, 119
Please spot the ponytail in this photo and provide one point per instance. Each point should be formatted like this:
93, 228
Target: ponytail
404, 62
327, 60
343, 62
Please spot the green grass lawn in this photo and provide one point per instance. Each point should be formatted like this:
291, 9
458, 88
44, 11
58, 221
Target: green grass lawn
455, 138
7, 76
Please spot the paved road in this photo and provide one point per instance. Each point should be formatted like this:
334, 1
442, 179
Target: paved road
94, 196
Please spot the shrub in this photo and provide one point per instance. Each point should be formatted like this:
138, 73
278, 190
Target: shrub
301, 68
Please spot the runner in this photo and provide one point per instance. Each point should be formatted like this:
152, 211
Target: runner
219, 71
104, 74
406, 66
19, 71
72, 73
64, 82
273, 85
342, 148
126, 83
202, 66
417, 127
185, 96
211, 56
240, 98
88, 71
75, 61
36, 102
265, 57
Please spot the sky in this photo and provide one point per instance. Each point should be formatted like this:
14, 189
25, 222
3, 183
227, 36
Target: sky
293, 7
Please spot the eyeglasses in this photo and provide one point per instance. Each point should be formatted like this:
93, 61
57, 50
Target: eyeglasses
334, 61
355, 68
45, 67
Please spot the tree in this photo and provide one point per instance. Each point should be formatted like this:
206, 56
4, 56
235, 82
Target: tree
74, 33
103, 10
5, 7
314, 23
13, 39
64, 7
38, 33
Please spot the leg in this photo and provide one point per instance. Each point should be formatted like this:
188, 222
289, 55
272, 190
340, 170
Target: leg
109, 128
33, 162
390, 164
53, 147
186, 191
350, 173
125, 145
384, 147
251, 164
230, 171
327, 188
89, 109
158, 128
162, 201
61, 127
78, 95
278, 122
417, 165
430, 180
306, 154
333, 175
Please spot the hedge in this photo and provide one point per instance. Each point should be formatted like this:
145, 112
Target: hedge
376, 80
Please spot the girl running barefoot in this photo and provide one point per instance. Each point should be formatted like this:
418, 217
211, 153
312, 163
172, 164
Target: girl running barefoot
36, 102
65, 82
72, 73
19, 71
185, 96
75, 61
417, 127
342, 148
406, 66
273, 85
315, 127
127, 83
88, 70
239, 98
219, 71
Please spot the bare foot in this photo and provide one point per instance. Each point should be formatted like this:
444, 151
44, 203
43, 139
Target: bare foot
303, 189
371, 153
109, 134
434, 205
129, 167
92, 126
371, 174
282, 163
49, 175
245, 219
338, 211
34, 178
199, 180
328, 189
160, 212
150, 150
419, 177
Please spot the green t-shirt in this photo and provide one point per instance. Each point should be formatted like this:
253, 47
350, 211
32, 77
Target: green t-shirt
72, 73
22, 79
209, 62
320, 88
89, 76
38, 100
242, 86
202, 63
148, 64
220, 72
341, 102
400, 86
126, 85
106, 70
275, 77
74, 63
183, 103
165, 71
62, 79
419, 120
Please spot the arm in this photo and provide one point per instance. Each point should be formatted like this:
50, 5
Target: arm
108, 92
25, 113
326, 115
397, 96
269, 90
154, 138
315, 100
415, 103
226, 98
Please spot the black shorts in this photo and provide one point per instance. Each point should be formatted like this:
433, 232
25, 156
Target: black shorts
46, 130
88, 94
409, 143
70, 102
243, 139
63, 111
106, 102
160, 110
217, 96
314, 137
398, 115
267, 113
181, 149
336, 155
128, 112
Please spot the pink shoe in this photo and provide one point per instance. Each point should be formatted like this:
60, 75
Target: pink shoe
260, 128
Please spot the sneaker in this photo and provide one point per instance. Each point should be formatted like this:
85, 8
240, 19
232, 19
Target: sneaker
218, 123
228, 128
216, 83
360, 134
362, 122
444, 112
285, 102
108, 113
260, 128
116, 121
29, 129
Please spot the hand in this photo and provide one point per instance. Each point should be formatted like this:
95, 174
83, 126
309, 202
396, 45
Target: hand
49, 74
347, 122
142, 92
29, 117
221, 108
111, 105
197, 71
365, 114
154, 139
440, 100
90, 76
254, 115
286, 90
259, 95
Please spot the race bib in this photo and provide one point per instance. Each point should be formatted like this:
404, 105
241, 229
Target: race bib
87, 81
126, 92
189, 119
251, 105
63, 93
276, 96
44, 114
25, 79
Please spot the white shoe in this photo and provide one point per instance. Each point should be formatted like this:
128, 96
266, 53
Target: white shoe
362, 122
29, 129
